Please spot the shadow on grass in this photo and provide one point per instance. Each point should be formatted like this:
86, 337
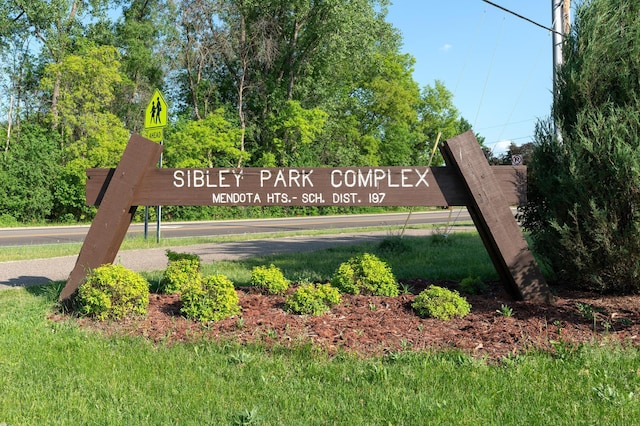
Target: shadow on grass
50, 290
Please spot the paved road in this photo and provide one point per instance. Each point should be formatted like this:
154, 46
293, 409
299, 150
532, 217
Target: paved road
40, 271
68, 234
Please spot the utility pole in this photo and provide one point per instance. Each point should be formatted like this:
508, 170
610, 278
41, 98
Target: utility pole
561, 25
556, 38
560, 28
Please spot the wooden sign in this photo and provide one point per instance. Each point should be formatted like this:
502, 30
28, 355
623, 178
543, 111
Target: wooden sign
468, 180
354, 186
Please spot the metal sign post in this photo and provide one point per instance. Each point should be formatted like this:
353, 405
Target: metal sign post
159, 207
155, 119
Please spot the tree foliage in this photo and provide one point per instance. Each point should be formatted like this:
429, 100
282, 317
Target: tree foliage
294, 128
210, 142
584, 196
27, 192
248, 83
86, 84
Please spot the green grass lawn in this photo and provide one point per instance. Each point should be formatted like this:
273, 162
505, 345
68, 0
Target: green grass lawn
454, 257
58, 373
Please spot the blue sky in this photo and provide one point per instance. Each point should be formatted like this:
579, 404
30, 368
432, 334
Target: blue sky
498, 66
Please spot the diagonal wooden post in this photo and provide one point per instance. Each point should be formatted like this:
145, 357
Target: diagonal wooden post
113, 218
509, 252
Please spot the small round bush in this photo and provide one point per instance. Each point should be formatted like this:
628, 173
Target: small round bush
180, 273
440, 303
213, 299
473, 285
365, 274
345, 279
310, 299
269, 278
113, 291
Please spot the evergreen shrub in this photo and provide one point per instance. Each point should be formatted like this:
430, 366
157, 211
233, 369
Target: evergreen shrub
113, 292
213, 299
180, 273
583, 210
310, 299
365, 274
441, 303
269, 278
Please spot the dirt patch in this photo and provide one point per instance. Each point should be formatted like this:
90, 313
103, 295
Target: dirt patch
370, 325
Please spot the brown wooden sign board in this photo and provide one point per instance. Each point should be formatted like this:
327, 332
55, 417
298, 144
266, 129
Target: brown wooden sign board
468, 180
355, 186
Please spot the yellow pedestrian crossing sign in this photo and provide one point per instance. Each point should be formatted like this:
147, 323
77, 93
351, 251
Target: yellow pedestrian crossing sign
156, 113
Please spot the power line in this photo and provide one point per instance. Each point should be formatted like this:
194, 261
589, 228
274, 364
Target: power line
484, 87
522, 17
524, 86
471, 49
509, 123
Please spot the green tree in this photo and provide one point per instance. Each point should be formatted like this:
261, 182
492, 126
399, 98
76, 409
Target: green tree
29, 172
295, 128
57, 25
376, 123
391, 97
261, 82
258, 56
438, 116
139, 34
525, 151
86, 85
17, 64
210, 142
92, 136
584, 209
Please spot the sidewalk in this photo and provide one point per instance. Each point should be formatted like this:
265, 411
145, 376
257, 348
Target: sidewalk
41, 271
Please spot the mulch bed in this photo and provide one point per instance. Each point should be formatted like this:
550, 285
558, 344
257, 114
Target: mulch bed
374, 326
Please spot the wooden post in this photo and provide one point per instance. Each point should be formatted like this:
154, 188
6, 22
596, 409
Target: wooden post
496, 225
113, 218
566, 17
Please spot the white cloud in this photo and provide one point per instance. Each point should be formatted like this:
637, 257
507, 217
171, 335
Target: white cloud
500, 148
446, 47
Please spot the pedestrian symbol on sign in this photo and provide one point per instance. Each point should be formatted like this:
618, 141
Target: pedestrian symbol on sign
156, 109
156, 113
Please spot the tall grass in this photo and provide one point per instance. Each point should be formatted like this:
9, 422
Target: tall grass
57, 373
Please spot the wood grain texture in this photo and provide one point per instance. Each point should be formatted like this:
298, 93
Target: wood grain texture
114, 216
443, 190
496, 225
